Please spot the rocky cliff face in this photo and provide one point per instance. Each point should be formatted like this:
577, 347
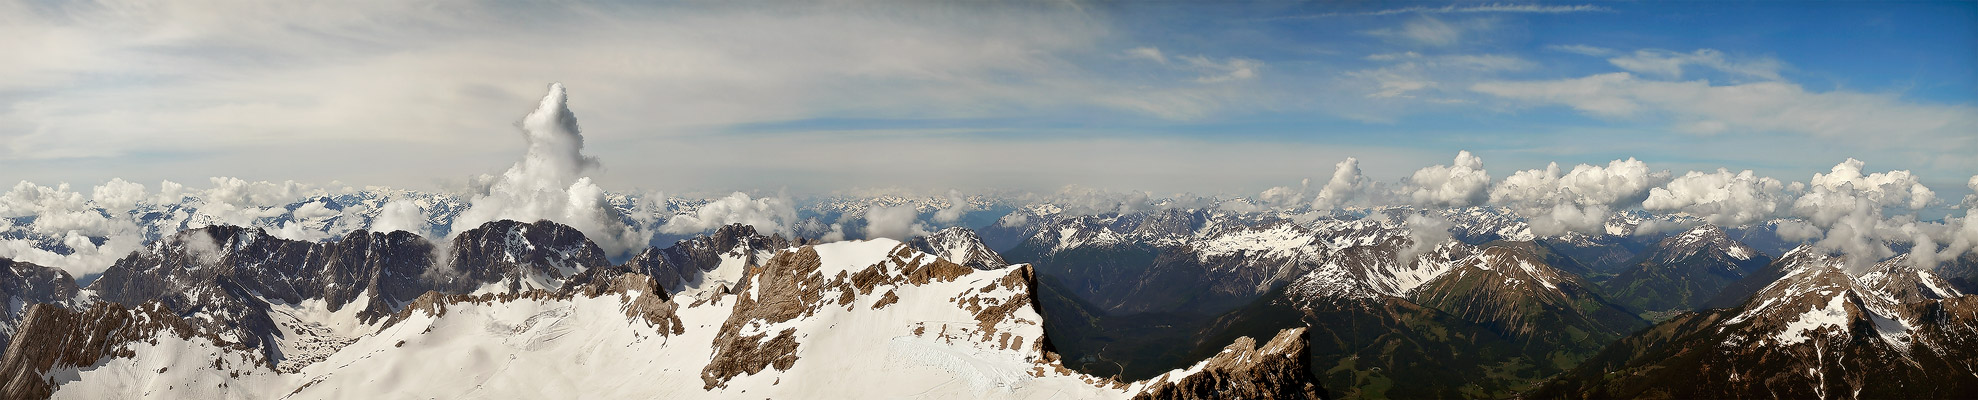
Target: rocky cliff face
382, 268
22, 285
709, 263
513, 256
245, 285
1244, 370
53, 338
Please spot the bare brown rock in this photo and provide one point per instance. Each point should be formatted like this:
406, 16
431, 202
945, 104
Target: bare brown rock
788, 286
890, 298
1276, 370
52, 337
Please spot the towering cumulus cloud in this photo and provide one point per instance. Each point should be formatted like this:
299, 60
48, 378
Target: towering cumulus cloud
1849, 206
1461, 184
549, 184
1580, 200
1722, 198
1347, 185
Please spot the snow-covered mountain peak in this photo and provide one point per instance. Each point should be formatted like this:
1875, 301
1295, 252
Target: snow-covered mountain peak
1705, 240
1903, 283
962, 246
512, 256
1271, 240
1817, 298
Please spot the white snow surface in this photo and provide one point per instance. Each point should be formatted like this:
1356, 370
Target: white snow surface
926, 345
1833, 315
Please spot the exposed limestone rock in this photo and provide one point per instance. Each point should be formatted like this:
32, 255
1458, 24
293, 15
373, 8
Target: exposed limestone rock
52, 337
1276, 370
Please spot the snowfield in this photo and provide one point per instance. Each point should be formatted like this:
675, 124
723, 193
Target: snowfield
916, 329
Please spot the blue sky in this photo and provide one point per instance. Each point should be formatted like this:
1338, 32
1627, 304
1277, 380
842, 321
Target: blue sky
1170, 96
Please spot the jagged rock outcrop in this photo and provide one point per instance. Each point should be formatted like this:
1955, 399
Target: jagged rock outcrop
714, 262
53, 338
226, 280
23, 284
384, 268
1244, 370
516, 256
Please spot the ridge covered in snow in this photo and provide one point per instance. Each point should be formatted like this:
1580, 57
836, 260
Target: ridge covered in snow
850, 319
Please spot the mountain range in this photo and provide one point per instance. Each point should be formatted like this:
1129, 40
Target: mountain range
1167, 303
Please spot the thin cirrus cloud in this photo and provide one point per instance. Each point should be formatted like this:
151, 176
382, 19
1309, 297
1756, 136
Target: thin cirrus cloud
1702, 107
1670, 64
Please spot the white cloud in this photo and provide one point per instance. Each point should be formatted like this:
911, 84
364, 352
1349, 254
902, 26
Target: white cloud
1281, 196
1700, 107
1669, 64
549, 184
1079, 200
242, 193
897, 222
1580, 200
201, 246
402, 215
1582, 49
1798, 231
1885, 189
1461, 184
1347, 185
1971, 200
1428, 31
768, 214
1722, 198
408, 79
1208, 70
1424, 234
66, 217
118, 195
1230, 69
312, 210
1148, 53
1849, 206
957, 207
1435, 79
1014, 219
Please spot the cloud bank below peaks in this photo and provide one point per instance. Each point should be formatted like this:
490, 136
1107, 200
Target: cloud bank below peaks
897, 222
1723, 198
1463, 183
1347, 185
549, 184
1580, 200
767, 215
